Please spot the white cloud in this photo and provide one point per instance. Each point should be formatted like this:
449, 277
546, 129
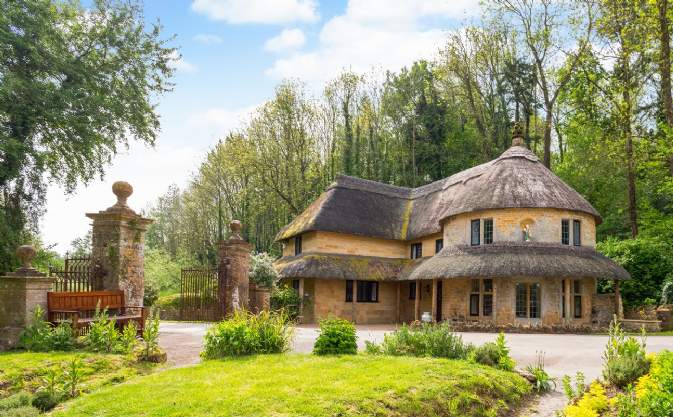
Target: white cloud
181, 65
375, 33
258, 11
286, 40
207, 38
217, 122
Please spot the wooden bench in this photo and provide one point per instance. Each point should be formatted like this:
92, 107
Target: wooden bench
79, 309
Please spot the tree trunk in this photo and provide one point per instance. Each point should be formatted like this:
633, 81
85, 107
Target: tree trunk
630, 164
665, 68
547, 135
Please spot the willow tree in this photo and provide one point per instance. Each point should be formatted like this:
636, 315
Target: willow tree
76, 84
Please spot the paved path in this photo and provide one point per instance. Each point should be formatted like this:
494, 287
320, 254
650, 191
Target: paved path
563, 354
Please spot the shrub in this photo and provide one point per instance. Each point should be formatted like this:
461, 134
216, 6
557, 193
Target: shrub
648, 260
624, 358
103, 335
543, 382
151, 294
337, 337
151, 351
262, 271
286, 299
655, 391
591, 404
26, 411
21, 399
574, 393
129, 338
72, 377
42, 336
426, 339
44, 401
495, 354
246, 334
667, 291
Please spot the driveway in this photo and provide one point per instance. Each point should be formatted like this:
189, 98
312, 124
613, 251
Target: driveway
564, 354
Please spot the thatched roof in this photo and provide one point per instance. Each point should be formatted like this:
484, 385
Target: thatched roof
330, 266
519, 259
517, 179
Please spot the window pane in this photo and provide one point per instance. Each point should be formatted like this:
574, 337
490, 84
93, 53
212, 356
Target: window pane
577, 233
534, 302
563, 299
368, 291
565, 232
577, 286
578, 306
297, 245
416, 250
439, 244
488, 231
474, 285
295, 284
488, 285
374, 297
521, 290
475, 231
349, 291
488, 304
412, 290
474, 304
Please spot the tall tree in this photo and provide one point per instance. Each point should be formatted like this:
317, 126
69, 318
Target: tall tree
75, 85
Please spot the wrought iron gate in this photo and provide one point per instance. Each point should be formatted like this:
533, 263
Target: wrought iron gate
78, 275
202, 293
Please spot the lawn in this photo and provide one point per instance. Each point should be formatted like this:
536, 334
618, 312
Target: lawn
306, 385
25, 371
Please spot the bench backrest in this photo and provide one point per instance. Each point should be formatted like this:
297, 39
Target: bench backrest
85, 301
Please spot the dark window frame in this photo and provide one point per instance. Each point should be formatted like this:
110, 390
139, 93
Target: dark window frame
367, 295
412, 290
565, 232
475, 232
577, 232
564, 298
295, 285
439, 245
349, 290
488, 231
416, 250
577, 299
297, 245
474, 305
487, 297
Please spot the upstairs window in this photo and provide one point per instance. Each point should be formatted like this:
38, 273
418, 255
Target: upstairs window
412, 290
577, 233
416, 250
297, 245
565, 232
439, 244
475, 232
368, 292
488, 231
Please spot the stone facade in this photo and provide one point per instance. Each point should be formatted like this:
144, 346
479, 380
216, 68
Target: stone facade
236, 253
118, 236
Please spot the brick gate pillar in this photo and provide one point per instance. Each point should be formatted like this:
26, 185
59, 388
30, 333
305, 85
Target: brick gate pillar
118, 240
236, 251
21, 292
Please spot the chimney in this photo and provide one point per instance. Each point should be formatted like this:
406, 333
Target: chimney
517, 135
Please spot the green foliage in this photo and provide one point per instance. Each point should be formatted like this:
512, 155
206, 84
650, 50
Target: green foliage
162, 272
657, 399
44, 401
246, 334
42, 336
426, 339
151, 336
103, 336
285, 298
648, 260
27, 411
624, 358
667, 291
72, 377
337, 337
495, 354
574, 392
128, 338
262, 271
70, 95
21, 399
592, 403
151, 294
543, 382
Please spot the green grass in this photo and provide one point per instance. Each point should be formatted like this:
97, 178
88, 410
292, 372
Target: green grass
306, 385
23, 371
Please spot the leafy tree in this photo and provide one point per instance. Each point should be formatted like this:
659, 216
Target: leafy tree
75, 85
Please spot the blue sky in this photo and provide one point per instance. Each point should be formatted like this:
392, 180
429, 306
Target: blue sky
233, 54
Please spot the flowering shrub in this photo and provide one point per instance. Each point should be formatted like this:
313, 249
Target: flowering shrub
591, 404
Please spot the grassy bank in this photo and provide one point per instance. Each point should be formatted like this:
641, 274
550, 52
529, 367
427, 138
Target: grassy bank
293, 385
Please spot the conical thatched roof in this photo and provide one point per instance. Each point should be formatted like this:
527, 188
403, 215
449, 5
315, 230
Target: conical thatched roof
517, 259
517, 179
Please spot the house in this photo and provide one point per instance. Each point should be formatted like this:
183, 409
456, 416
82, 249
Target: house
503, 243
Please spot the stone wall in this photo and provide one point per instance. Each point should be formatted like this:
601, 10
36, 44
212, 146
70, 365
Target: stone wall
428, 245
331, 300
329, 242
545, 225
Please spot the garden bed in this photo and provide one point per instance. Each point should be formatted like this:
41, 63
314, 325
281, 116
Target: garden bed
290, 385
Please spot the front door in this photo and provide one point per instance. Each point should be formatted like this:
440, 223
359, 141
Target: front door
438, 313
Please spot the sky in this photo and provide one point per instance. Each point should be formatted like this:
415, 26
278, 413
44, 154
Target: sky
233, 53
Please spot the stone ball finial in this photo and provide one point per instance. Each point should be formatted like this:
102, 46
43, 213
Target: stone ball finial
26, 253
517, 135
123, 191
235, 226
